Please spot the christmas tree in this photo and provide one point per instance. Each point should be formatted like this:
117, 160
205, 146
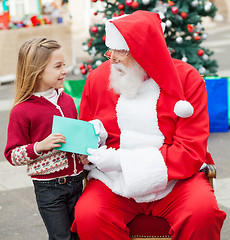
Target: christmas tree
184, 31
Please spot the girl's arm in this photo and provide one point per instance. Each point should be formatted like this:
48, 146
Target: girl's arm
19, 149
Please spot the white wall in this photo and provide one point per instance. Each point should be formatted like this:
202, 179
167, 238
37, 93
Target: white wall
19, 8
81, 12
31, 7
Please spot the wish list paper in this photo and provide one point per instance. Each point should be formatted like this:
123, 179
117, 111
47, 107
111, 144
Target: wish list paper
80, 135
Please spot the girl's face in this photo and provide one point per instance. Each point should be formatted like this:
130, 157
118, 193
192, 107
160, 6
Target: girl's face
54, 73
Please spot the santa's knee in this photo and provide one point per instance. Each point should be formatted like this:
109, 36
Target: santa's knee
88, 218
203, 214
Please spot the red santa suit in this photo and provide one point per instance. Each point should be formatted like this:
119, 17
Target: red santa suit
161, 134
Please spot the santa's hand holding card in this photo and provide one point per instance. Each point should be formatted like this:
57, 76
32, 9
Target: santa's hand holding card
100, 130
104, 159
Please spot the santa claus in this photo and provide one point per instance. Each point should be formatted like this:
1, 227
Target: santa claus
154, 109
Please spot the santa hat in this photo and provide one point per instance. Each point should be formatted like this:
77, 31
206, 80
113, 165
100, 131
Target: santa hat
141, 33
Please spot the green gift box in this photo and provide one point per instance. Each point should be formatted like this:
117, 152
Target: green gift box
74, 88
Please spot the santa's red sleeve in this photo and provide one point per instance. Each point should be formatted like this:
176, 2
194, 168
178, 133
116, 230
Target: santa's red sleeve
187, 151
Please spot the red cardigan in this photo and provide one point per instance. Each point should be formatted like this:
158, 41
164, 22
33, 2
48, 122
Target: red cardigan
30, 122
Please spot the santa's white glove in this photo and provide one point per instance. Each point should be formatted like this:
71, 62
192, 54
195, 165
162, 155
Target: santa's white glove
106, 160
89, 167
100, 130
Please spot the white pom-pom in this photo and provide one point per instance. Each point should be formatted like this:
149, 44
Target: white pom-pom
183, 109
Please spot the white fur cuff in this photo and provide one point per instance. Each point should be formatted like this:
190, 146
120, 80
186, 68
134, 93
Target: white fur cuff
144, 171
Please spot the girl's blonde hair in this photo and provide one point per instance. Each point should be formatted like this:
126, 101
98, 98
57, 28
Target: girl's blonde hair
33, 57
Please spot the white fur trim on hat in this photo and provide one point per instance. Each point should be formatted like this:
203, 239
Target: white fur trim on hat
183, 109
163, 26
114, 39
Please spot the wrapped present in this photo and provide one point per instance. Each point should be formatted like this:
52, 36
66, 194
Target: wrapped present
74, 88
217, 89
229, 101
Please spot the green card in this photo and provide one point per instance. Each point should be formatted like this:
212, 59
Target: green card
80, 135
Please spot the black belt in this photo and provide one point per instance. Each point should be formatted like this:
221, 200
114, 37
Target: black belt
64, 180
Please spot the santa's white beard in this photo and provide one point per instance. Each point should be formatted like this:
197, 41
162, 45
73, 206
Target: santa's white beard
126, 80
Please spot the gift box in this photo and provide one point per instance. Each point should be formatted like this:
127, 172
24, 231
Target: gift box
218, 100
229, 101
74, 88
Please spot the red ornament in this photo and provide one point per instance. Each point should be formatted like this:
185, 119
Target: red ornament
94, 29
94, 0
128, 2
89, 66
82, 66
184, 15
83, 71
197, 37
170, 3
122, 13
108, 54
121, 6
95, 13
103, 38
135, 5
90, 42
174, 10
190, 28
200, 52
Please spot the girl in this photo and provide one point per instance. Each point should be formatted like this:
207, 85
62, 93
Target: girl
57, 176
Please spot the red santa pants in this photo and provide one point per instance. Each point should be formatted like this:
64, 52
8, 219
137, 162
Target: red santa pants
191, 210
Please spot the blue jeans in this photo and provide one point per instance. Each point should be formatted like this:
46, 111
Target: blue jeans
56, 200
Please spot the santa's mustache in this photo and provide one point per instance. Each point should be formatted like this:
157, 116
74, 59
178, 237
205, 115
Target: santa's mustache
119, 67
126, 81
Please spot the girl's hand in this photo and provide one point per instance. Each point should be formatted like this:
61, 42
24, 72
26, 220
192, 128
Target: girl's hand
83, 159
52, 141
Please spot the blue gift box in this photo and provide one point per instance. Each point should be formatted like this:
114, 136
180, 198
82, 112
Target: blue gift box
217, 89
